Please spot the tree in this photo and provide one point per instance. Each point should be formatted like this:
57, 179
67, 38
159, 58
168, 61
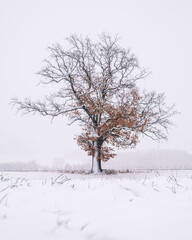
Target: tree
98, 88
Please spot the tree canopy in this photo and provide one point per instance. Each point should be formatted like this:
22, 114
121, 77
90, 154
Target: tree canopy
98, 89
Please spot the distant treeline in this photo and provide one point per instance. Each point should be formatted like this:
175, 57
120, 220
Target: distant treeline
159, 159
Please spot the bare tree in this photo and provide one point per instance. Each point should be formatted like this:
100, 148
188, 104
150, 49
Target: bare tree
98, 89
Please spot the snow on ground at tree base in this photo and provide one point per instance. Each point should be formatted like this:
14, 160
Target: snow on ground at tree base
132, 206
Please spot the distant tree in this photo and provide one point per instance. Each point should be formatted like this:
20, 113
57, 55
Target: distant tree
98, 89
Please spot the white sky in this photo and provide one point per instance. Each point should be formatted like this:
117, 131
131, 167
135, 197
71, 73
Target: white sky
158, 32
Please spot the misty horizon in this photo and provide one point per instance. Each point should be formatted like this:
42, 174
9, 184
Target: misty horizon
135, 160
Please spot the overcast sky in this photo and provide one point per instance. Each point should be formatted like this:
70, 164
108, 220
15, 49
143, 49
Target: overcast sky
159, 32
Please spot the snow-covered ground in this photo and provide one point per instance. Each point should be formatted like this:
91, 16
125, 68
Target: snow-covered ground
50, 206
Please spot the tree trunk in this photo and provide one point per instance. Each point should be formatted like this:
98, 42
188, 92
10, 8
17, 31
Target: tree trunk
96, 161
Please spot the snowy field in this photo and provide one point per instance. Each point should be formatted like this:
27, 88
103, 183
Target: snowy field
134, 206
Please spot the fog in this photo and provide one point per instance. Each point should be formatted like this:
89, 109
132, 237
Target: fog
158, 32
135, 160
